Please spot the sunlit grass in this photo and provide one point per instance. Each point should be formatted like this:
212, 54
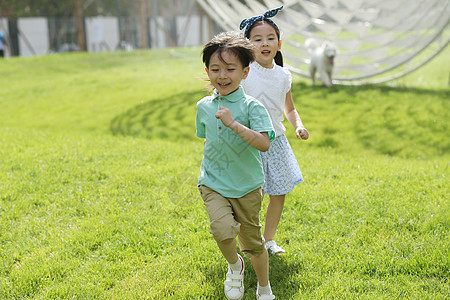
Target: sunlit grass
98, 170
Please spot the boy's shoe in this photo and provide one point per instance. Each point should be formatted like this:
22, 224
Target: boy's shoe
234, 284
265, 296
274, 249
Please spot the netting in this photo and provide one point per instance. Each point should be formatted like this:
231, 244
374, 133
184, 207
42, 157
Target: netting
377, 40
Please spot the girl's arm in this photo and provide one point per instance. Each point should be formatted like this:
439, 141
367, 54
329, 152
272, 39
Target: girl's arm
294, 118
258, 140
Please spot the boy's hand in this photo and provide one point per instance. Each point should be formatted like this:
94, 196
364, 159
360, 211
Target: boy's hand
302, 133
224, 114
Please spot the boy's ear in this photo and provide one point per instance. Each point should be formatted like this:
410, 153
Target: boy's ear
246, 70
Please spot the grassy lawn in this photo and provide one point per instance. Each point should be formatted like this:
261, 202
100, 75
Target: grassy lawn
99, 164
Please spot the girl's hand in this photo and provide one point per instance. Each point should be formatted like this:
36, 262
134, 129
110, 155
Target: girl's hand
302, 133
224, 114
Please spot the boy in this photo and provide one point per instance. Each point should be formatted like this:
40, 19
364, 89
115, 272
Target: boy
235, 126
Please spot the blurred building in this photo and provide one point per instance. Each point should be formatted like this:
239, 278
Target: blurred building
177, 23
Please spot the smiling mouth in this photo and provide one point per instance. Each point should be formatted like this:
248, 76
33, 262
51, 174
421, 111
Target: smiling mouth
265, 52
224, 85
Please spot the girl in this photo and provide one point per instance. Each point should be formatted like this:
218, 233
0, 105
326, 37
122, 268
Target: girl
270, 83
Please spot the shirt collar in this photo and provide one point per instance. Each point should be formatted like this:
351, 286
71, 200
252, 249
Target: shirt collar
233, 97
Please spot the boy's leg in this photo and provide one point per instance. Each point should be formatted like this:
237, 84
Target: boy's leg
251, 241
228, 249
246, 211
223, 225
261, 266
224, 229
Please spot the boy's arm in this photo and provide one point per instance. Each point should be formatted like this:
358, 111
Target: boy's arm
258, 140
294, 118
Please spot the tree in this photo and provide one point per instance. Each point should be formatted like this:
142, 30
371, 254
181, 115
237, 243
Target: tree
62, 8
24, 8
143, 22
78, 14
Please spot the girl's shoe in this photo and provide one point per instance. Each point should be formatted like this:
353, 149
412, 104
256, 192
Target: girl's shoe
234, 284
274, 249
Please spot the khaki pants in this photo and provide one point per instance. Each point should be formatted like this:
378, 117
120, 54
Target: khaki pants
231, 217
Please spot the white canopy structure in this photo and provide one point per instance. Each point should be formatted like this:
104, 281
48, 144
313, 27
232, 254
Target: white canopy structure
378, 40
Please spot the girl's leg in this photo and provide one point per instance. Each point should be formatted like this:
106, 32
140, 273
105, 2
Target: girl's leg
273, 216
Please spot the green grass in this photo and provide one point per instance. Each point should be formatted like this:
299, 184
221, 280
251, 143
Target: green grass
98, 170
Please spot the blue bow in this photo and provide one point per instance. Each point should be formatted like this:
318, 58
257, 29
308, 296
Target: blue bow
248, 23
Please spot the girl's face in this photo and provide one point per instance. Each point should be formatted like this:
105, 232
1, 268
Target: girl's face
226, 74
265, 39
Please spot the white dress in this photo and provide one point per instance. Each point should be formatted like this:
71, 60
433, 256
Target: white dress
270, 86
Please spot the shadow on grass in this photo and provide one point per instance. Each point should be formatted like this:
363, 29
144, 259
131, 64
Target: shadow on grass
171, 118
301, 88
394, 121
283, 277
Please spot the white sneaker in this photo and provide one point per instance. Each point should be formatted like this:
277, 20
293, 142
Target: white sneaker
265, 296
234, 284
274, 249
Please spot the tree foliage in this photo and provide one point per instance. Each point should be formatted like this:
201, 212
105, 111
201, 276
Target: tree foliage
61, 8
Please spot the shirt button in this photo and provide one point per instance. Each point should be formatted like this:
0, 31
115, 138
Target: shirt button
221, 98
220, 127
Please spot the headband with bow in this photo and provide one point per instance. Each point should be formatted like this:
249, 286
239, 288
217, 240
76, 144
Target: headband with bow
248, 23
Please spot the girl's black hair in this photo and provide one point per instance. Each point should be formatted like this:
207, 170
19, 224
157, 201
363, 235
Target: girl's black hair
278, 57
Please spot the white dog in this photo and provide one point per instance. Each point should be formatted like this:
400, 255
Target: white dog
322, 60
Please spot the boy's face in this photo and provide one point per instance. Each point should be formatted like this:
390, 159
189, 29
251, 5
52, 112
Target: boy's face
226, 75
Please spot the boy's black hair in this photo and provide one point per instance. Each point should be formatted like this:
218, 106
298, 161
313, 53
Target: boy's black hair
232, 42
278, 57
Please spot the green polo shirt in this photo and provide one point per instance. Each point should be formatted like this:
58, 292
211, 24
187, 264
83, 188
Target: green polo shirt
230, 166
